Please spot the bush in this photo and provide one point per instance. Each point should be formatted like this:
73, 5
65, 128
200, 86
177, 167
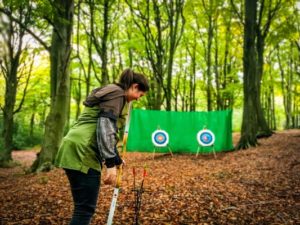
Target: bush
22, 138
1, 142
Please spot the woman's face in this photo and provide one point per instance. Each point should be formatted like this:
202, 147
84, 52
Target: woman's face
133, 93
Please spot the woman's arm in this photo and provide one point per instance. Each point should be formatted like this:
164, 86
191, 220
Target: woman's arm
107, 140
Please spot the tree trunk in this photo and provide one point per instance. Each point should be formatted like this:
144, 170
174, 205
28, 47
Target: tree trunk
249, 123
226, 97
193, 78
15, 36
270, 95
78, 95
208, 61
31, 131
8, 118
217, 74
289, 92
60, 84
176, 91
89, 49
263, 128
161, 38
104, 78
286, 91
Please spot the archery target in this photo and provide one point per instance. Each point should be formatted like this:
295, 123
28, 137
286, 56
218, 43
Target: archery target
160, 138
205, 138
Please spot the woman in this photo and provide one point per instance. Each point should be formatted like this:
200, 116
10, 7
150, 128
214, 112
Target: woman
92, 141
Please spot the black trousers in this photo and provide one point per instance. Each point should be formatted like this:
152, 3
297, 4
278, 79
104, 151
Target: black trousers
85, 190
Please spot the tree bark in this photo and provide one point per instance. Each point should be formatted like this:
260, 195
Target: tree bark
263, 128
208, 56
193, 77
217, 73
104, 78
286, 87
31, 131
175, 12
262, 31
15, 34
249, 123
60, 84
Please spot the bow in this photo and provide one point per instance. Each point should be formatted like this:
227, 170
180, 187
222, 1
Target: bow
119, 172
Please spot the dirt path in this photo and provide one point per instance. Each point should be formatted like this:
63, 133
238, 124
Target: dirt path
256, 186
25, 157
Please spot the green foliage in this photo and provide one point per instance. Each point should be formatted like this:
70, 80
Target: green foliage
237, 116
1, 131
10, 164
43, 179
126, 46
1, 142
22, 138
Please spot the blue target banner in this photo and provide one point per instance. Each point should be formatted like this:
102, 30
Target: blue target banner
205, 137
160, 138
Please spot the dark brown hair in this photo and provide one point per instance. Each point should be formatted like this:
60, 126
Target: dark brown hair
129, 77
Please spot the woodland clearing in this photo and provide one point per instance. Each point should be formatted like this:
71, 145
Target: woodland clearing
255, 186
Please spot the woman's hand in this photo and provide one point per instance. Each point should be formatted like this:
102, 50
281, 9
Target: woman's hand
123, 164
111, 176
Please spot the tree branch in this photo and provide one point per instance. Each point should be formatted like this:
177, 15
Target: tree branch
298, 45
36, 37
25, 89
237, 12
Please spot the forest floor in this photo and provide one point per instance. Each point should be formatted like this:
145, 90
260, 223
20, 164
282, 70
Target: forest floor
255, 186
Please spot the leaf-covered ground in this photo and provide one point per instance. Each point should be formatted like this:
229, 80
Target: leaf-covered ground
255, 186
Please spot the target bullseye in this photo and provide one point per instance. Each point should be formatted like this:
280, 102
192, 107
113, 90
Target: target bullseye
205, 137
160, 138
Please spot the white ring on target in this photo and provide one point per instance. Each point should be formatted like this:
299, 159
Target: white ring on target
164, 142
207, 132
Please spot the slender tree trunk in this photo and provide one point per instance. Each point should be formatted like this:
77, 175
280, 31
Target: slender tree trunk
289, 91
208, 60
31, 131
76, 86
270, 106
130, 50
296, 96
60, 84
11, 85
263, 128
226, 98
193, 77
286, 90
8, 114
158, 65
161, 37
216, 69
90, 49
274, 126
176, 91
104, 78
271, 98
174, 10
184, 98
249, 123
180, 87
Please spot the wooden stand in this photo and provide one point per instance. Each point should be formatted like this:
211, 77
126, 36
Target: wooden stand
213, 150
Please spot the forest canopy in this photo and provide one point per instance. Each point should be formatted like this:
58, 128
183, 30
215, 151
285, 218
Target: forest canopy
191, 51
